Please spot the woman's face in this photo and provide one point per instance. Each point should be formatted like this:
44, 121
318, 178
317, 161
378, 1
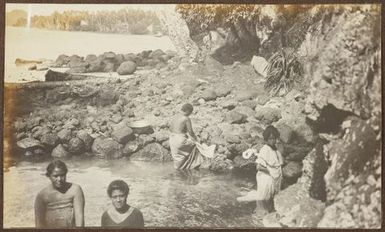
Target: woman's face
272, 140
118, 198
58, 178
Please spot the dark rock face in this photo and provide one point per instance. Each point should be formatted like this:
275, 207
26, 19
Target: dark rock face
107, 148
350, 154
152, 152
76, 146
55, 76
86, 138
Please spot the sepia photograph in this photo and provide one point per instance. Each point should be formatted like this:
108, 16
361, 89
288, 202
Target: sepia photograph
198, 116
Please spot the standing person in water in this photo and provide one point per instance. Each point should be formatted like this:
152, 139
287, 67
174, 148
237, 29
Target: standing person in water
121, 214
61, 203
269, 173
183, 149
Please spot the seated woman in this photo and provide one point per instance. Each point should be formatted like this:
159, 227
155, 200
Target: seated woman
60, 204
269, 173
121, 214
184, 150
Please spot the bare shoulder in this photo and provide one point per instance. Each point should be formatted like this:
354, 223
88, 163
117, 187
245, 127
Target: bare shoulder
76, 188
43, 192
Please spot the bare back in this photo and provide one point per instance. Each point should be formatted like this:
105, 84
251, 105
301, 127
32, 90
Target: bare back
179, 124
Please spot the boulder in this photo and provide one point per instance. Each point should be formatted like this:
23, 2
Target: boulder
127, 67
267, 115
96, 65
245, 94
130, 57
60, 152
39, 131
28, 143
222, 90
152, 152
107, 148
229, 104
106, 97
76, 61
64, 135
262, 99
208, 95
90, 58
131, 147
260, 65
123, 134
76, 146
86, 138
109, 55
56, 76
109, 66
235, 117
297, 209
50, 140
250, 104
292, 170
61, 61
287, 134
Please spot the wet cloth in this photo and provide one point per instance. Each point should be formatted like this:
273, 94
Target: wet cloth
133, 218
186, 153
60, 214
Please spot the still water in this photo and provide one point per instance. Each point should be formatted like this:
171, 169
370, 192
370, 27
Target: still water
166, 197
35, 44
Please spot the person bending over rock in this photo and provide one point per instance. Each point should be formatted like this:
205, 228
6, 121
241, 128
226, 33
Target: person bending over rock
269, 173
121, 214
183, 141
60, 204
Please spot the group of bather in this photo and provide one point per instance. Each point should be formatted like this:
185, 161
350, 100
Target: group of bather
61, 203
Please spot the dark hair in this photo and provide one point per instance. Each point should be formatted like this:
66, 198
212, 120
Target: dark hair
56, 164
118, 185
187, 108
270, 130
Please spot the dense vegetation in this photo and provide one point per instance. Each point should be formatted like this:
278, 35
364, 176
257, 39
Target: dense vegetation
130, 21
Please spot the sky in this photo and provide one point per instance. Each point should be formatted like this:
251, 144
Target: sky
48, 9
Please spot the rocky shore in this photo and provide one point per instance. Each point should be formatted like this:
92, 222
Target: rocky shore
330, 123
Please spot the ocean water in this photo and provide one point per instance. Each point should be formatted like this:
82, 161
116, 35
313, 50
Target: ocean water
35, 44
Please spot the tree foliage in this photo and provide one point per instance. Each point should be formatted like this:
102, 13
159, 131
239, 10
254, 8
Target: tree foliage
129, 21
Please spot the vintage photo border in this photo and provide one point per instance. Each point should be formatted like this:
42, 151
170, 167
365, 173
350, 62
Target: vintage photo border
2, 97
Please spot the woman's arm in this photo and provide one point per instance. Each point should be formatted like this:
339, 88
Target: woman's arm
39, 211
189, 129
79, 207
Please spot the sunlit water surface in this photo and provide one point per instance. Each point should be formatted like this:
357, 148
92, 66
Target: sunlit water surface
167, 198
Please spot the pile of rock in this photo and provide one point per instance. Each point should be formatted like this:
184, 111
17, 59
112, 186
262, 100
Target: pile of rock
123, 64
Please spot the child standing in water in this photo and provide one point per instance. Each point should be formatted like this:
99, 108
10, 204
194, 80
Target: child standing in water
269, 173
